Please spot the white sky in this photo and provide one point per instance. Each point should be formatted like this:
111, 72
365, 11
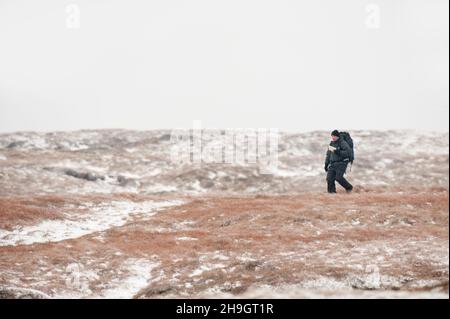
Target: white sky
289, 64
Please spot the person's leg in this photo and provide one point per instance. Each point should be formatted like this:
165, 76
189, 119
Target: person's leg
340, 171
331, 177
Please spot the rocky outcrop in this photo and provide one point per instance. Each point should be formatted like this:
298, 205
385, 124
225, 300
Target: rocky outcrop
91, 177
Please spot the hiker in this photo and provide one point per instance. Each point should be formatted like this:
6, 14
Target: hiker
339, 155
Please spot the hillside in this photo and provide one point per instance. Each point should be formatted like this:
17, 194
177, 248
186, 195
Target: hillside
107, 214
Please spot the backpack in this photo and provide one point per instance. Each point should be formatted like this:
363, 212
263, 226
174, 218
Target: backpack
346, 137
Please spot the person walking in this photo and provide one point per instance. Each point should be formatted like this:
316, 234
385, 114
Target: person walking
339, 155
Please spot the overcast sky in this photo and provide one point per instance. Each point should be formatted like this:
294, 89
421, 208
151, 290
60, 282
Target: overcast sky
289, 64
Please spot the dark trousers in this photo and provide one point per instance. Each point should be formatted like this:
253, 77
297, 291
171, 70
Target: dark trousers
336, 173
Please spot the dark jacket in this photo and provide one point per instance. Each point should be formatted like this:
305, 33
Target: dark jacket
341, 154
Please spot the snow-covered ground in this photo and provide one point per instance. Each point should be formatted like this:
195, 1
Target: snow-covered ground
115, 161
107, 214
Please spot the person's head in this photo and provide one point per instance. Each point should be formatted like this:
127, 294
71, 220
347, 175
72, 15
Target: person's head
335, 135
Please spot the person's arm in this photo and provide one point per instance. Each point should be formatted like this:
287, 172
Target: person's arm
327, 160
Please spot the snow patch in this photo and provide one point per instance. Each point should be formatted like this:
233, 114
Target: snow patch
206, 267
139, 274
100, 218
186, 238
